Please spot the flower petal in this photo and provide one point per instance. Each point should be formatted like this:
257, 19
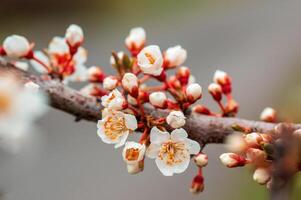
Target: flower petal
122, 140
157, 136
130, 121
179, 134
182, 166
165, 169
152, 151
193, 146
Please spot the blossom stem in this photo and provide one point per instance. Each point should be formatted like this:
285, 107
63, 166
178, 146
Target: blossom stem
49, 70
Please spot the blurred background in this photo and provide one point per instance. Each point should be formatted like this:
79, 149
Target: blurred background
256, 41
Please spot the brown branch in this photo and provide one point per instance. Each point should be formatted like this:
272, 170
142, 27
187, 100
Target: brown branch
202, 128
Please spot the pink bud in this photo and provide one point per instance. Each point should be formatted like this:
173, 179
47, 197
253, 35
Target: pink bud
201, 160
193, 92
216, 91
268, 115
232, 160
183, 75
95, 74
130, 83
223, 79
158, 99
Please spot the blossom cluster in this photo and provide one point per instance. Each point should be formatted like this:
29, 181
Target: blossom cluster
261, 150
142, 83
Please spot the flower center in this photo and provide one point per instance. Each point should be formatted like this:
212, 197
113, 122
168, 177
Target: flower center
132, 154
115, 127
5, 102
150, 58
173, 152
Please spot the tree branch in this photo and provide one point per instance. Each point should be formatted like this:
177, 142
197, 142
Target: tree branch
202, 128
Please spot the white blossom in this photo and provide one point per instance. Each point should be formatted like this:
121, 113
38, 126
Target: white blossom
19, 108
110, 83
115, 127
158, 99
133, 152
58, 46
16, 46
115, 100
268, 115
175, 56
176, 119
150, 60
171, 151
136, 38
74, 35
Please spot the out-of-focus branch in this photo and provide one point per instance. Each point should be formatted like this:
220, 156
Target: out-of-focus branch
204, 129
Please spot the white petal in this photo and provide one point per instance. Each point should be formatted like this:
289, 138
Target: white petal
130, 121
179, 134
182, 166
157, 136
122, 140
193, 146
153, 150
165, 169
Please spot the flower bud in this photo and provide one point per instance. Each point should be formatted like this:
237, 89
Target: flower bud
176, 119
197, 184
193, 92
174, 82
95, 74
150, 60
16, 46
236, 143
253, 139
175, 56
216, 91
183, 75
110, 83
201, 160
223, 79
130, 83
201, 110
262, 175
74, 35
158, 99
232, 160
256, 156
232, 107
268, 115
135, 40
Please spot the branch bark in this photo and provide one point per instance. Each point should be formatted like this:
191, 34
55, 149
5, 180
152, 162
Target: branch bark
202, 128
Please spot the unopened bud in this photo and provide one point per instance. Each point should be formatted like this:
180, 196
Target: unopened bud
74, 35
176, 119
224, 80
110, 83
201, 110
256, 156
183, 75
158, 99
201, 160
232, 160
193, 92
268, 115
95, 74
174, 82
253, 139
232, 107
130, 83
216, 91
16, 46
135, 40
197, 184
236, 143
262, 175
175, 56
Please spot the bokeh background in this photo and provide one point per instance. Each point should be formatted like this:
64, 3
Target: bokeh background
256, 41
